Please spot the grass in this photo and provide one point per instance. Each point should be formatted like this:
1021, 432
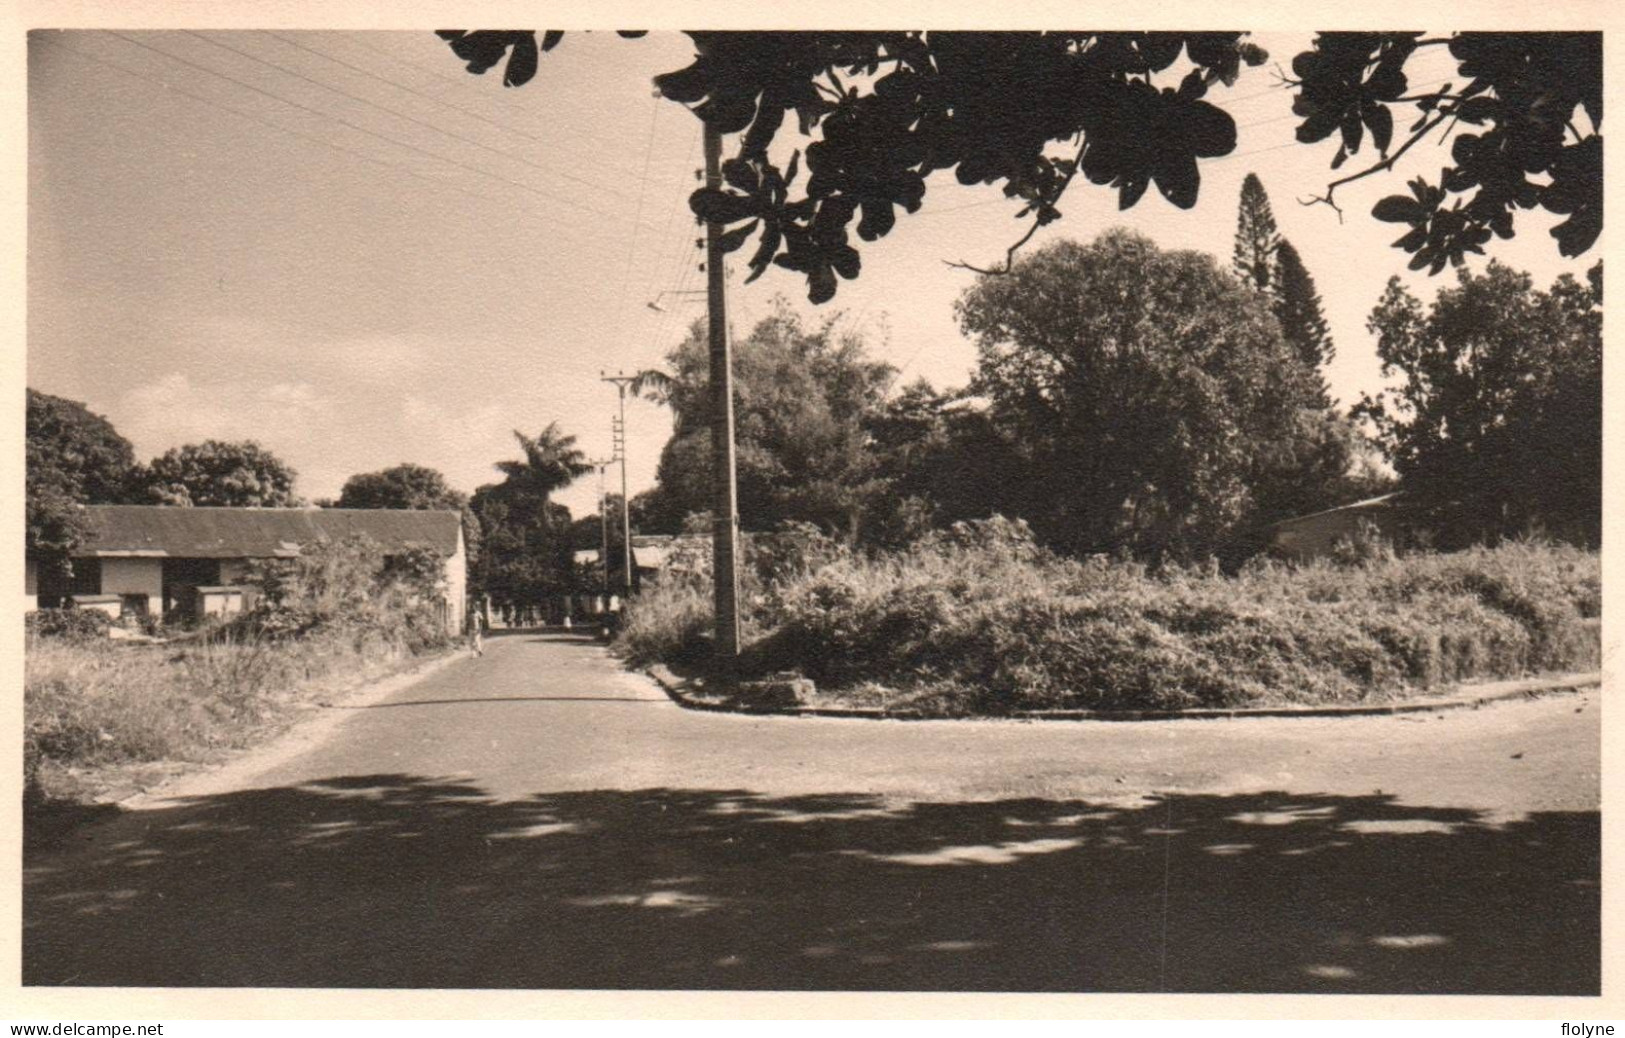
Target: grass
980, 621
92, 706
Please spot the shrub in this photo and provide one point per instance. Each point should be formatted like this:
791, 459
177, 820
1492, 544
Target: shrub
349, 586
340, 613
670, 624
78, 624
979, 619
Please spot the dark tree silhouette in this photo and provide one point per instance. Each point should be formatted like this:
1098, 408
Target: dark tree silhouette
803, 394
1257, 237
404, 486
1149, 391
73, 457
1032, 110
1303, 322
1516, 111
551, 462
525, 536
218, 473
1497, 424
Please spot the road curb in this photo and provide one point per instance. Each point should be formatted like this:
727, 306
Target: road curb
682, 692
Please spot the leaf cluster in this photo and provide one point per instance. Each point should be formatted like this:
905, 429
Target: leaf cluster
891, 108
1512, 111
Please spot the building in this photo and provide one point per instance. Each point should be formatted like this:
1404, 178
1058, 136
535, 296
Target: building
157, 560
1314, 536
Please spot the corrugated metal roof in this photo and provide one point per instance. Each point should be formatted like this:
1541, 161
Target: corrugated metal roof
259, 533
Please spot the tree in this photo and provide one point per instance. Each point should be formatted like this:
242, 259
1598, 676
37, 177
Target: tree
73, 457
1303, 321
941, 460
412, 487
588, 534
1257, 237
404, 486
525, 536
216, 473
1149, 393
551, 462
1032, 110
1497, 423
801, 398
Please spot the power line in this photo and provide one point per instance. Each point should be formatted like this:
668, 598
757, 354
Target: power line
168, 87
632, 243
435, 71
418, 93
346, 123
665, 260
411, 119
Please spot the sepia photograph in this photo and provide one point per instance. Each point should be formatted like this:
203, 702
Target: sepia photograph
1014, 510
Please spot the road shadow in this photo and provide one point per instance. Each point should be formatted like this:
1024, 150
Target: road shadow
401, 881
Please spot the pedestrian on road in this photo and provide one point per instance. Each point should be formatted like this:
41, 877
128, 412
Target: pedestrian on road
476, 627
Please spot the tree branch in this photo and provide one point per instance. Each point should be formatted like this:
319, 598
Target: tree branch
1009, 255
1378, 167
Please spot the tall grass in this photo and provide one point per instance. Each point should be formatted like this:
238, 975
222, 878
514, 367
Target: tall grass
979, 620
341, 614
91, 703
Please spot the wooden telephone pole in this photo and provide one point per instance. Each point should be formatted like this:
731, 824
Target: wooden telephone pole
621, 382
725, 489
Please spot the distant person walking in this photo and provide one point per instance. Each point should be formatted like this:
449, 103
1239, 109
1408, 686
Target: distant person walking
476, 629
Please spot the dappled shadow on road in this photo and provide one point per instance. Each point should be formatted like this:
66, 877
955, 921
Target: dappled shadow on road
505, 699
399, 881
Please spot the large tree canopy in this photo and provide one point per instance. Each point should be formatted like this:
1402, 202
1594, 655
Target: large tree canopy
802, 397
217, 473
525, 535
74, 457
1150, 392
404, 486
1032, 110
1497, 421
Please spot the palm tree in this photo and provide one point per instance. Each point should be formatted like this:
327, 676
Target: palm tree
551, 462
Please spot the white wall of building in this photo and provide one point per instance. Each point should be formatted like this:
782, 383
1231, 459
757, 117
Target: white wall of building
135, 577
456, 585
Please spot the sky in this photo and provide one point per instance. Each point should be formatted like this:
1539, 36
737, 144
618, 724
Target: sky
342, 245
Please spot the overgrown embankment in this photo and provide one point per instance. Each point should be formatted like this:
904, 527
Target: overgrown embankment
340, 616
980, 621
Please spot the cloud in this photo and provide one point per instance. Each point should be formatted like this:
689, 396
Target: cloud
377, 356
173, 410
291, 419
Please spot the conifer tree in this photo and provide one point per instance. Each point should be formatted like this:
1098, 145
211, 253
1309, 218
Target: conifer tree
1298, 307
1257, 237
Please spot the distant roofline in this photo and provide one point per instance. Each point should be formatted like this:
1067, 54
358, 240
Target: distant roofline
1379, 499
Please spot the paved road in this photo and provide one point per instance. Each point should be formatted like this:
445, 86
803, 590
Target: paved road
537, 818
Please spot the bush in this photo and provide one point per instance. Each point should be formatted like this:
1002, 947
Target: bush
347, 586
670, 624
74, 624
339, 614
979, 619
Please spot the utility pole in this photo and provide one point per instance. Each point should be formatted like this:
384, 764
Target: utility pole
621, 381
603, 523
725, 490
